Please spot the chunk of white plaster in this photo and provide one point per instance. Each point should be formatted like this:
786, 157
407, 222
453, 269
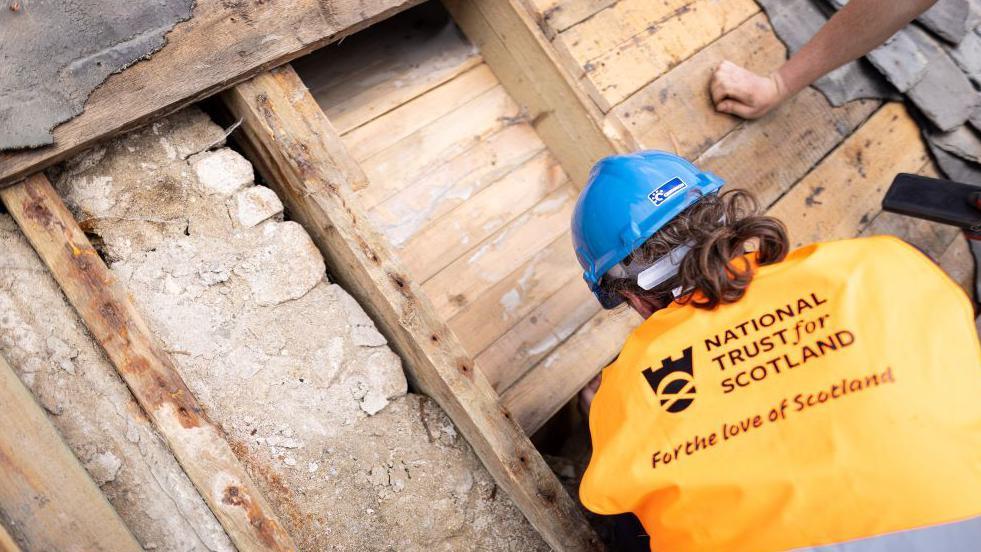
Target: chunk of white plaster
222, 171
256, 204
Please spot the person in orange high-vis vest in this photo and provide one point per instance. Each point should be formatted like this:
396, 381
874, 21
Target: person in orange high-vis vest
774, 401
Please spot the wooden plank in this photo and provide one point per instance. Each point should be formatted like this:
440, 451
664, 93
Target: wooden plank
113, 320
7, 543
839, 197
455, 180
618, 25
527, 342
302, 157
464, 280
384, 67
526, 63
552, 382
46, 496
383, 132
555, 16
675, 112
615, 75
223, 43
769, 155
930, 237
413, 157
445, 240
496, 310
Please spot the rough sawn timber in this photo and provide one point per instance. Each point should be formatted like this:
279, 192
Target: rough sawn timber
46, 497
304, 160
524, 60
7, 543
223, 43
113, 320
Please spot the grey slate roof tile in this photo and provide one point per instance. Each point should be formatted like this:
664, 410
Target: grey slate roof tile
956, 168
904, 58
948, 19
795, 22
940, 76
967, 55
944, 94
963, 141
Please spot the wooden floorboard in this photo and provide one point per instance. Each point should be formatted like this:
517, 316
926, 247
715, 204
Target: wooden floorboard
413, 157
223, 43
543, 390
527, 64
612, 75
383, 67
958, 263
452, 181
842, 194
399, 123
458, 232
555, 16
470, 198
674, 113
464, 280
499, 308
532, 338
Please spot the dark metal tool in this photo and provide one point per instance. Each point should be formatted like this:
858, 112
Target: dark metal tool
943, 201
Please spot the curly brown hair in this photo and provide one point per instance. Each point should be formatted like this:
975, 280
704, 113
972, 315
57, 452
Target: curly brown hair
719, 228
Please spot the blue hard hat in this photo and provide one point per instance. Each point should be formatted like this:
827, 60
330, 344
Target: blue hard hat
627, 199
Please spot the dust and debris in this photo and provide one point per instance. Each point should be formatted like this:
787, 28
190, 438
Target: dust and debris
56, 53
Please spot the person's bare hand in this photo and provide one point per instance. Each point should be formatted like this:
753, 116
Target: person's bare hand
742, 92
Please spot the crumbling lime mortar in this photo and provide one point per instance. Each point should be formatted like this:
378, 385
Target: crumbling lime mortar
289, 365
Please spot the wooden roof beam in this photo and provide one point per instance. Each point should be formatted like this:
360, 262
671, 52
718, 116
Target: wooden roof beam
526, 63
46, 497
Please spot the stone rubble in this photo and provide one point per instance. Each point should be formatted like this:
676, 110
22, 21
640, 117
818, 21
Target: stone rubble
308, 393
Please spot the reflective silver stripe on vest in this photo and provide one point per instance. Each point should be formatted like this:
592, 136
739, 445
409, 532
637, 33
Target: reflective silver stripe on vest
961, 536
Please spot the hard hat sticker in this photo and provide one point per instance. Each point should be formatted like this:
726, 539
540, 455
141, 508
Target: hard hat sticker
666, 190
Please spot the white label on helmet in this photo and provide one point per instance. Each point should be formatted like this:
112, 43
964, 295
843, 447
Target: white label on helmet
666, 190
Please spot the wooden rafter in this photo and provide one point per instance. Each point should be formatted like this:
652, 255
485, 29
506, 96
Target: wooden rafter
7, 543
113, 320
223, 43
46, 497
524, 60
303, 159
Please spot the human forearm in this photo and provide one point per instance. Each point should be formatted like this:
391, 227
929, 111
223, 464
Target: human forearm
856, 29
859, 27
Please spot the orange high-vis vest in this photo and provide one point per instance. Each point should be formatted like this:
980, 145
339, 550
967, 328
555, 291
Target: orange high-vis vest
840, 399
